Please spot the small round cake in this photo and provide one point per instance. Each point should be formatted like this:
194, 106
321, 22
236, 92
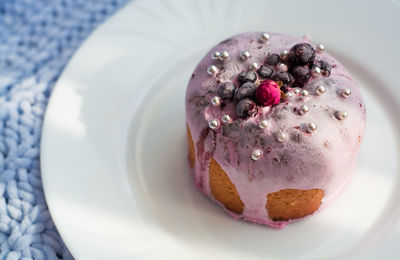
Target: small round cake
274, 125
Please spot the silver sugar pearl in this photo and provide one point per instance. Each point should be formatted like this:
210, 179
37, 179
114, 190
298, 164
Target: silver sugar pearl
212, 70
345, 93
311, 127
296, 91
244, 55
303, 109
216, 55
224, 56
320, 48
281, 136
282, 67
316, 71
341, 115
256, 154
216, 100
264, 37
226, 119
213, 124
263, 124
320, 90
288, 95
253, 66
304, 93
284, 54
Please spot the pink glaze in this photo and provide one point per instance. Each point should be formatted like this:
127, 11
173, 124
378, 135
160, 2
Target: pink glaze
268, 93
323, 159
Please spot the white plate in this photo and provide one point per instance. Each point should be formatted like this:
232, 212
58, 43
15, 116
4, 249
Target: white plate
113, 152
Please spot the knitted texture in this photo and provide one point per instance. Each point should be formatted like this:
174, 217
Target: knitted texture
37, 39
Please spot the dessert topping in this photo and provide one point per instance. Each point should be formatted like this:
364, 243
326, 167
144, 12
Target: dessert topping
247, 90
325, 68
272, 59
302, 54
246, 107
249, 76
264, 37
315, 71
263, 124
265, 71
253, 66
281, 136
304, 93
245, 55
226, 90
284, 55
311, 127
224, 56
268, 93
216, 101
341, 115
320, 48
256, 154
320, 90
213, 124
301, 74
303, 109
215, 55
226, 119
284, 77
345, 93
212, 70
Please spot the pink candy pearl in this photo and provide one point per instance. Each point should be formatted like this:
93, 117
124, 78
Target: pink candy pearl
268, 93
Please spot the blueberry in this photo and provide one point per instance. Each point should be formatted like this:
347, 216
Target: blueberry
326, 68
226, 90
302, 54
247, 90
301, 74
246, 107
283, 76
250, 76
265, 71
272, 59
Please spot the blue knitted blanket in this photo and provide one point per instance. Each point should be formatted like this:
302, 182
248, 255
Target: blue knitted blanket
37, 38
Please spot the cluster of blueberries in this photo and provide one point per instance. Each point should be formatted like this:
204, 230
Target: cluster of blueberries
301, 64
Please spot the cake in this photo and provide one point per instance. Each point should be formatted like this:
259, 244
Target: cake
274, 124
